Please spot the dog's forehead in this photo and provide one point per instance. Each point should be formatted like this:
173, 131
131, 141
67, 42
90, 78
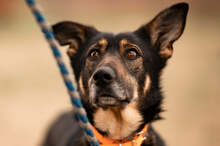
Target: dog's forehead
114, 40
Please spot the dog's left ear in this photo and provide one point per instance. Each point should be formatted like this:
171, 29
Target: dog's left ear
73, 34
165, 28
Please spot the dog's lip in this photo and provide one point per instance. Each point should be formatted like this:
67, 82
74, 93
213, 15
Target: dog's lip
107, 100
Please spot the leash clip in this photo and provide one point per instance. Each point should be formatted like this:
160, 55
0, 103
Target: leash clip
139, 133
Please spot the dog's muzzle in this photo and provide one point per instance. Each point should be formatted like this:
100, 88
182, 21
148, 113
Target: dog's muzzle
104, 88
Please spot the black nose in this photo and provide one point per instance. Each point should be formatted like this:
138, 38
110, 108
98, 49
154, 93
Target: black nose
104, 76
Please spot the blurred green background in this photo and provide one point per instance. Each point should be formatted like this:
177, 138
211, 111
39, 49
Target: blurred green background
32, 93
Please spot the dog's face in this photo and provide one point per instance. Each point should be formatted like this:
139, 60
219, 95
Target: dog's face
112, 68
117, 70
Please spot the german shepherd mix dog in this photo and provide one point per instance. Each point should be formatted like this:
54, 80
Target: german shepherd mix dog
118, 76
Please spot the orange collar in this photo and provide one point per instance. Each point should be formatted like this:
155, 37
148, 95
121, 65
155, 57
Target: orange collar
137, 141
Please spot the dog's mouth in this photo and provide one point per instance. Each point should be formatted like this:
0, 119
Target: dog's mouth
107, 101
110, 101
110, 95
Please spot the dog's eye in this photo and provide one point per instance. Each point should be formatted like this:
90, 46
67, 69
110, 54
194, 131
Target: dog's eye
132, 54
94, 54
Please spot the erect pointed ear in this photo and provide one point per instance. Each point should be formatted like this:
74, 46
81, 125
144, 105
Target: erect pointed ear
166, 28
72, 34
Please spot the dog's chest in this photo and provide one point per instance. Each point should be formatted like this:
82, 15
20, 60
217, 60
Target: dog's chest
117, 123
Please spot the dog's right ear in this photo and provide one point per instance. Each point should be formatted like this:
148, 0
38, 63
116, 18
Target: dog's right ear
165, 29
73, 34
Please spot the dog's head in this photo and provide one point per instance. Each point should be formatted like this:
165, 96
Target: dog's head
114, 70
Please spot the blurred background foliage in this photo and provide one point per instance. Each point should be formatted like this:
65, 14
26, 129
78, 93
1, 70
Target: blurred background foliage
32, 93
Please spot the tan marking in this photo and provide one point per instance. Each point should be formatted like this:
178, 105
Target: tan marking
103, 42
82, 89
73, 44
118, 123
147, 84
72, 50
135, 89
101, 45
166, 51
90, 81
125, 44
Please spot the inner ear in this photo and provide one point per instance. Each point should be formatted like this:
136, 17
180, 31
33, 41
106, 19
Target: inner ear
166, 28
73, 34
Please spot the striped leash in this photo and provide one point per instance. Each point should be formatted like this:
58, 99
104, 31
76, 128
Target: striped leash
78, 109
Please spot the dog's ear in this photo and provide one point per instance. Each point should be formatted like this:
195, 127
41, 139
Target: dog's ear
165, 28
73, 34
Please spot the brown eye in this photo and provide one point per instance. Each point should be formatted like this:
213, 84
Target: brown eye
132, 54
94, 54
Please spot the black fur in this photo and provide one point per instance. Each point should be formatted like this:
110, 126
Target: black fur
155, 40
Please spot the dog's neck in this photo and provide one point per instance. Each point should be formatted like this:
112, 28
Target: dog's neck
137, 140
118, 123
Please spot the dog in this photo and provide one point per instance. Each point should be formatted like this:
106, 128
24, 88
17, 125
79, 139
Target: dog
118, 77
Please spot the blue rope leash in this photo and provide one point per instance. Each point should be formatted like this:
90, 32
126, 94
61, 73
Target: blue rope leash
78, 109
